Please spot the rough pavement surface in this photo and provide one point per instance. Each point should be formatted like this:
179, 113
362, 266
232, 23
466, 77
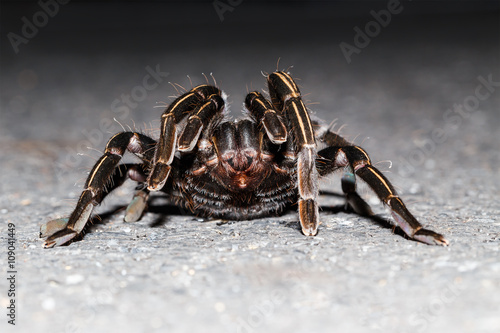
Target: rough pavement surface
416, 97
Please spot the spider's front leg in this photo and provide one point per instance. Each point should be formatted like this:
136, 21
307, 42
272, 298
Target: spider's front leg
356, 162
105, 176
285, 97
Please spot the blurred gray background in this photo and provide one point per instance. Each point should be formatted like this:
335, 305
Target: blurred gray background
414, 94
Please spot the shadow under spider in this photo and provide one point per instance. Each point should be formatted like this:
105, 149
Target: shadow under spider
164, 210
161, 211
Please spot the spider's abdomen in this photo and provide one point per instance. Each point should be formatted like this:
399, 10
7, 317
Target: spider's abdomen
205, 196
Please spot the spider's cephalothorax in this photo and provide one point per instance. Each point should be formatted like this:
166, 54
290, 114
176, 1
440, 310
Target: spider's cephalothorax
236, 170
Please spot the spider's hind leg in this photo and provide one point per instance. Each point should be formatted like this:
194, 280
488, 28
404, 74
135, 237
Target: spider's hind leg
105, 176
356, 162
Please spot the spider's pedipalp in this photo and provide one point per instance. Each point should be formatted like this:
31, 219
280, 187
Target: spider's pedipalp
196, 122
203, 103
263, 113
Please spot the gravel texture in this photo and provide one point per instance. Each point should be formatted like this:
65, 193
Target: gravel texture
172, 272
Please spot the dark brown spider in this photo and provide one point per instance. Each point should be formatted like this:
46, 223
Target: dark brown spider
239, 170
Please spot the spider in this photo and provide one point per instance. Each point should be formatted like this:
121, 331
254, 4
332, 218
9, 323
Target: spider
239, 170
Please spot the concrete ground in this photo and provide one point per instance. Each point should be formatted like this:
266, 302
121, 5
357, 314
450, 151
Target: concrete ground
416, 97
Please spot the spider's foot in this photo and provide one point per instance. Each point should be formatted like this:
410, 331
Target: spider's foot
136, 207
60, 238
56, 233
53, 226
308, 212
310, 231
430, 237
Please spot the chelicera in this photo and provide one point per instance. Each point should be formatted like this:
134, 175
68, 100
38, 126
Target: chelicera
237, 170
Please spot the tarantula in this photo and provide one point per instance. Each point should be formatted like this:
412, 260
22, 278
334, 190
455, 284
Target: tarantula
239, 170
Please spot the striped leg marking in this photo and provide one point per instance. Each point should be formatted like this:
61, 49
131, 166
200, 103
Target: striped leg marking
356, 161
263, 113
203, 103
285, 96
105, 176
404, 219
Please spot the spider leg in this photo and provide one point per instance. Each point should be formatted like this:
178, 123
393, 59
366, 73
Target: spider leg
105, 176
285, 95
203, 103
348, 180
139, 202
354, 200
136, 208
356, 162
